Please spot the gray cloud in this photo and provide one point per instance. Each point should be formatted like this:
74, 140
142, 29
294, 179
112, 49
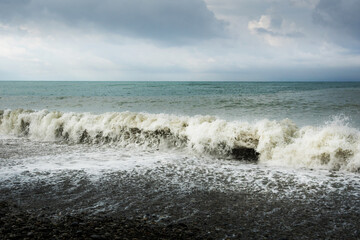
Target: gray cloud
272, 25
342, 15
164, 20
277, 34
129, 39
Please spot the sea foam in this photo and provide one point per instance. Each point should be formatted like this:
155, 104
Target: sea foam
333, 146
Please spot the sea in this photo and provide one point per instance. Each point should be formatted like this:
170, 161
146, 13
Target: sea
180, 150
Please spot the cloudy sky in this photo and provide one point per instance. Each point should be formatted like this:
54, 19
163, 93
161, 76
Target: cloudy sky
241, 40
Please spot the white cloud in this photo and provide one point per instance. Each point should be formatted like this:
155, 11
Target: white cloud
264, 23
275, 31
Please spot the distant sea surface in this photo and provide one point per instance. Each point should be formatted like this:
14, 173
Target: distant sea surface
305, 103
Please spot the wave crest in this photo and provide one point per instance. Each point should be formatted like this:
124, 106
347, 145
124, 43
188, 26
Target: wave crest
334, 146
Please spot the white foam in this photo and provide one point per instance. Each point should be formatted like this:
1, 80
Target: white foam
50, 162
334, 146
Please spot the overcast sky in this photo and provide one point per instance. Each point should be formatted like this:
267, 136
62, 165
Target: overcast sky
243, 40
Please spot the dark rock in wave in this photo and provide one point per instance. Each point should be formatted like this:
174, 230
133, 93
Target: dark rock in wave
248, 154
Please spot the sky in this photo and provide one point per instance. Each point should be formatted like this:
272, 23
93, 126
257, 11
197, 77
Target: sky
183, 40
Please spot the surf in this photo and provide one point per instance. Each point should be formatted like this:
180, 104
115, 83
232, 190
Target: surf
332, 146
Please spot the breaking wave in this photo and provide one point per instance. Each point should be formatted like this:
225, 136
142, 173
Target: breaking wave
334, 146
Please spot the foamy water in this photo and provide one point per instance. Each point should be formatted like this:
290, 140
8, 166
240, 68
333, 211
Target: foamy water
50, 162
333, 146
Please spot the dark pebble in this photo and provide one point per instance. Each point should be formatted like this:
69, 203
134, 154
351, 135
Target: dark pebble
94, 236
20, 224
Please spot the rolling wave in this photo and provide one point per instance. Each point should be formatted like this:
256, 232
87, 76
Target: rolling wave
334, 146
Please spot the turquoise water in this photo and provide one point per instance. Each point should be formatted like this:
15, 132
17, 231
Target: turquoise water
305, 103
89, 89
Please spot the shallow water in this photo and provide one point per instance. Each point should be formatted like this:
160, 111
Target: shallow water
224, 198
25, 161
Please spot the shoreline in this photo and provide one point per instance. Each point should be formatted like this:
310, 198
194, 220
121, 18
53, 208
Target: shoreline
194, 215
150, 196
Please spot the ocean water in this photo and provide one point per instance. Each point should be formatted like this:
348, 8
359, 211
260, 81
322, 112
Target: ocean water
296, 141
314, 125
304, 103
